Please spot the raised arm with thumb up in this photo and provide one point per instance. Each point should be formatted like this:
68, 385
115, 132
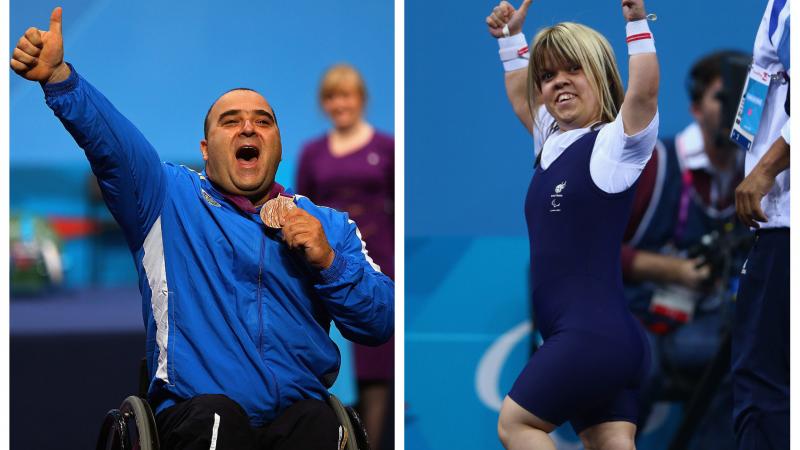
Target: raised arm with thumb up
39, 55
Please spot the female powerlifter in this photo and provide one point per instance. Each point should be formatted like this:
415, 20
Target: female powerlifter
592, 140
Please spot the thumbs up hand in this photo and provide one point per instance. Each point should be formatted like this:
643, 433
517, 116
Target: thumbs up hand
505, 14
39, 55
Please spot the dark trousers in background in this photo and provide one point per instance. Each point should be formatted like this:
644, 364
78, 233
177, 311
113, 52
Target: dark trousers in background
760, 352
218, 423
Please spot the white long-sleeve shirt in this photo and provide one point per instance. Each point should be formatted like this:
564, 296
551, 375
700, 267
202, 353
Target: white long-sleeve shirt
617, 159
771, 52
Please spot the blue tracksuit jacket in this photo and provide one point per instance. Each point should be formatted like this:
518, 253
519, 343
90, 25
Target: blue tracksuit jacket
227, 307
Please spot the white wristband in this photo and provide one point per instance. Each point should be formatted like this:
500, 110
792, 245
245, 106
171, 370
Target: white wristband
639, 37
514, 52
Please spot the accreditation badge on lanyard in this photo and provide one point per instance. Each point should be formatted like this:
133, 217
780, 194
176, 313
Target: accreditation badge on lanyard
751, 106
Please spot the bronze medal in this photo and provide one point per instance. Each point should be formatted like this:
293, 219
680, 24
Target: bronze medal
274, 211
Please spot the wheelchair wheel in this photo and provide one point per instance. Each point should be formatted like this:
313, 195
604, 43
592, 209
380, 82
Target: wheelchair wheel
359, 431
131, 427
137, 412
112, 432
355, 436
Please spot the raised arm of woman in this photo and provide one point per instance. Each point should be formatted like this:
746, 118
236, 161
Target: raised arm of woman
505, 23
641, 98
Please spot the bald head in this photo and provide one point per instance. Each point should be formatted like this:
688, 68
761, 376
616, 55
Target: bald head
242, 148
206, 123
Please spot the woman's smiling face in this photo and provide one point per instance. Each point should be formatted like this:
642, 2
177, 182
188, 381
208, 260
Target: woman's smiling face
569, 97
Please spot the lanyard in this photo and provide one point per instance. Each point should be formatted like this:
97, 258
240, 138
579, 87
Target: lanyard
687, 192
683, 211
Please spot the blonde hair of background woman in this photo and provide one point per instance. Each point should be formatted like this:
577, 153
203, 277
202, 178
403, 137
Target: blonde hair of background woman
339, 76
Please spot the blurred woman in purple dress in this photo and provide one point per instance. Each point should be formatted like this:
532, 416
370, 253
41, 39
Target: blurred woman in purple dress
351, 168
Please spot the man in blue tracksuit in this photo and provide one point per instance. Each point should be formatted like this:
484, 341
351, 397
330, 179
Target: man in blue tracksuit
237, 314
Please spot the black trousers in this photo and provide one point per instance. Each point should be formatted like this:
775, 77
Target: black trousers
215, 422
760, 352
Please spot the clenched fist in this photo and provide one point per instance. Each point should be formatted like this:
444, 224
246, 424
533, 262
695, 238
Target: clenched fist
505, 14
304, 233
39, 55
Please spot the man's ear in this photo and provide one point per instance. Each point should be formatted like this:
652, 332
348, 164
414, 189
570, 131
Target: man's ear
204, 149
694, 110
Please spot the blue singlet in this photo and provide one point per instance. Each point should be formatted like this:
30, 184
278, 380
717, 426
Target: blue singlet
595, 353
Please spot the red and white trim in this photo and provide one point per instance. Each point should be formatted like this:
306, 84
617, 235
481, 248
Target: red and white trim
638, 37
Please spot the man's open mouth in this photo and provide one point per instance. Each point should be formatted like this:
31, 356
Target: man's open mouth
247, 154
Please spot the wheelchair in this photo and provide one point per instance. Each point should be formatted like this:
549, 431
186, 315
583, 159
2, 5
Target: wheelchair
133, 426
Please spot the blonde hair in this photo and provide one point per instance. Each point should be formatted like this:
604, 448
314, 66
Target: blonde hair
337, 77
567, 44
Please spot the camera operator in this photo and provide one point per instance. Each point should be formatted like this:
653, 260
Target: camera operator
683, 243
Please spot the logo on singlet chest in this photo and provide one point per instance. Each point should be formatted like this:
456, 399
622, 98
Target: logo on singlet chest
557, 196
